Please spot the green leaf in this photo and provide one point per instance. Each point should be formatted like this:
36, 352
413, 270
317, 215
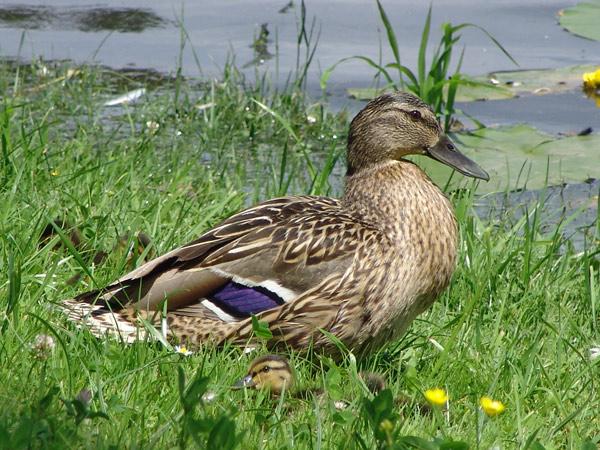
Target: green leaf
582, 20
383, 404
333, 379
181, 384
261, 329
536, 446
417, 442
454, 445
223, 435
343, 417
194, 391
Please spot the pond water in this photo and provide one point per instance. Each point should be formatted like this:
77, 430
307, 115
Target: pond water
144, 34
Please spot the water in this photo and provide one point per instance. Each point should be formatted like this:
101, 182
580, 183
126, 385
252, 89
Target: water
147, 35
571, 207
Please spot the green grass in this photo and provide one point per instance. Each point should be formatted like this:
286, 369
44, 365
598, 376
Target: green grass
516, 324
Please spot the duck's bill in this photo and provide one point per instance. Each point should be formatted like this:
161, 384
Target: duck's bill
247, 381
446, 152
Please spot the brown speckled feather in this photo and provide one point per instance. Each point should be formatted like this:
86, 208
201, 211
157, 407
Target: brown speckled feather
361, 267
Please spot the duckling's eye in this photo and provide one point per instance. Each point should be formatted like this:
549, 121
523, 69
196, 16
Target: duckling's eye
266, 369
415, 114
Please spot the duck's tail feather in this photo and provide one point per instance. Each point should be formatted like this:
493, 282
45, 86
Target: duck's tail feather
125, 323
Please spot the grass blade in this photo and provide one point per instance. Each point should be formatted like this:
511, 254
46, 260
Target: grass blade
423, 48
390, 35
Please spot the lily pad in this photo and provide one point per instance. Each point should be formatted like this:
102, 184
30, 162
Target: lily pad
364, 94
582, 20
506, 84
521, 156
521, 83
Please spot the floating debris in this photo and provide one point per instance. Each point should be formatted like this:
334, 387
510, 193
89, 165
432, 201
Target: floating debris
69, 74
126, 98
205, 106
542, 90
585, 131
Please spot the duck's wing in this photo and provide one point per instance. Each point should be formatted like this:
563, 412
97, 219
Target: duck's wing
257, 260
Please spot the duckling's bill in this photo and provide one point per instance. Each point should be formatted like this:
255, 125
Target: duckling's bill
446, 152
247, 381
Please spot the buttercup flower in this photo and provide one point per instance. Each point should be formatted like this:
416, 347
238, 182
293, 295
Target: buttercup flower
436, 396
592, 79
182, 350
491, 407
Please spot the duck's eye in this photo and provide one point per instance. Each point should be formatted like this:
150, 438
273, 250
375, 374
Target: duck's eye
415, 114
266, 369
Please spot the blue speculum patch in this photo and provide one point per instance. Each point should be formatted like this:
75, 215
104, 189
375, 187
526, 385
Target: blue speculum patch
239, 300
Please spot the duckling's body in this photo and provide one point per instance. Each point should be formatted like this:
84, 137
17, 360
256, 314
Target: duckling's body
361, 267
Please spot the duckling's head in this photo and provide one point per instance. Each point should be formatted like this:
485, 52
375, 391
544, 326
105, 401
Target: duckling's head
268, 372
374, 381
397, 124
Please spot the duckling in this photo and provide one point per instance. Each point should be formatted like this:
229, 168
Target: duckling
74, 237
361, 267
271, 372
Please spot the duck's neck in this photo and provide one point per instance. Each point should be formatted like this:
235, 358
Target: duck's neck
389, 196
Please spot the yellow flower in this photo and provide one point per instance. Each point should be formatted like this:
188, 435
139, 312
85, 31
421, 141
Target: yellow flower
592, 79
54, 173
491, 407
436, 396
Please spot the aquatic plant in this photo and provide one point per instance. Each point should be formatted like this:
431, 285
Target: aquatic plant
434, 84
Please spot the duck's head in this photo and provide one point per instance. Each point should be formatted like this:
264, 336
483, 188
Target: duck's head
268, 372
397, 124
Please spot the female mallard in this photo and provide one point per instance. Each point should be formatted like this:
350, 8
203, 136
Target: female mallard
361, 267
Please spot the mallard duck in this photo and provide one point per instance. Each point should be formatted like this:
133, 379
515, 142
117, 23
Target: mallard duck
360, 267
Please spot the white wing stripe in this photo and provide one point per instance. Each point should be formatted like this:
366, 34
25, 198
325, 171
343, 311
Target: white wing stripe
218, 311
